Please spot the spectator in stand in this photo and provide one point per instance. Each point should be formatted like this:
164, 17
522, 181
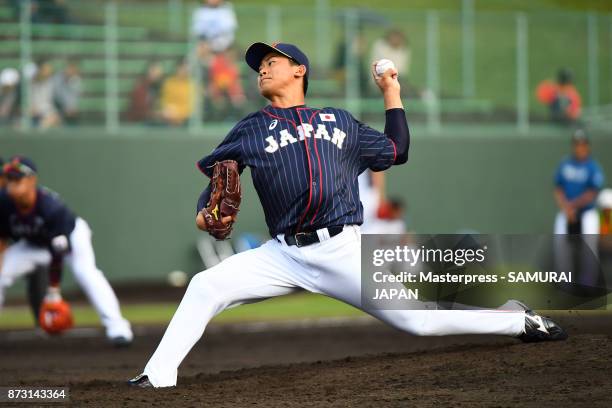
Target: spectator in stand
177, 96
394, 46
214, 24
225, 90
50, 11
67, 89
15, 6
604, 201
357, 50
561, 97
42, 107
42, 11
391, 216
9, 95
145, 96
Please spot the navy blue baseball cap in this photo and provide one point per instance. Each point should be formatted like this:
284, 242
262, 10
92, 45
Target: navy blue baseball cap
18, 167
257, 51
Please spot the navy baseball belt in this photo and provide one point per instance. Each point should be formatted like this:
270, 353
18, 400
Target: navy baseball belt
308, 238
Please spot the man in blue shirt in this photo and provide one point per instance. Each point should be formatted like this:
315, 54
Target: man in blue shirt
304, 164
578, 180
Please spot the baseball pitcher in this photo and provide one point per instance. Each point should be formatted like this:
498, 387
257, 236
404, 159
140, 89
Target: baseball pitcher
304, 164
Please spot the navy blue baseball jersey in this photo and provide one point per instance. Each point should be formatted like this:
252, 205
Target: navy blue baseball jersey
304, 164
48, 220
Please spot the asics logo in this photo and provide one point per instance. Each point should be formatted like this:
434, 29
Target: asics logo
540, 322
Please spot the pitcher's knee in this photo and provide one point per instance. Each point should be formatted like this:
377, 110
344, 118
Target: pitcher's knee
198, 283
201, 286
6, 281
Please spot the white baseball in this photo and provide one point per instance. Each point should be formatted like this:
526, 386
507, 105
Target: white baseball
177, 279
383, 65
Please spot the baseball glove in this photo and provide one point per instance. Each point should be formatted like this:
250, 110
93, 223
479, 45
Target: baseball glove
55, 315
224, 203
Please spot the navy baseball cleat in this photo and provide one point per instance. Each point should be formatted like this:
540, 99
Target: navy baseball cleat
541, 328
537, 328
140, 381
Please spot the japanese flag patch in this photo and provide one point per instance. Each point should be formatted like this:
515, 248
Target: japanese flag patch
327, 117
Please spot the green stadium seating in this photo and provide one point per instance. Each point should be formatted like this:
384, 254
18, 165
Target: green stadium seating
83, 48
370, 106
125, 66
177, 49
324, 87
98, 85
96, 68
6, 13
98, 104
74, 32
135, 50
374, 105
9, 63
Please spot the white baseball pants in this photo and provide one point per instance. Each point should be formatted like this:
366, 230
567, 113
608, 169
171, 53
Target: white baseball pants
589, 221
331, 267
588, 263
22, 258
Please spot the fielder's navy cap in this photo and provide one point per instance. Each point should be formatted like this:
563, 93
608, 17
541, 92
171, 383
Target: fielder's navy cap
19, 166
257, 51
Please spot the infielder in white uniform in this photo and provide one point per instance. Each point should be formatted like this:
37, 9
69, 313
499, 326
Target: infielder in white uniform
42, 232
304, 164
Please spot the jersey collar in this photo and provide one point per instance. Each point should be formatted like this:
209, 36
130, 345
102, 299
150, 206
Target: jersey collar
291, 107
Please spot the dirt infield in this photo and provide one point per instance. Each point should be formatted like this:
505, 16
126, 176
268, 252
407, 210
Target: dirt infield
364, 364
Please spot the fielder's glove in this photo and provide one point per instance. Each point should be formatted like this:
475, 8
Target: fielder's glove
55, 314
224, 203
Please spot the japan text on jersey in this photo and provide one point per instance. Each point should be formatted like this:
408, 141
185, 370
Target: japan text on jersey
304, 164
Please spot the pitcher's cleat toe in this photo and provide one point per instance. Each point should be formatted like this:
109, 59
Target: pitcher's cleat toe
541, 328
140, 381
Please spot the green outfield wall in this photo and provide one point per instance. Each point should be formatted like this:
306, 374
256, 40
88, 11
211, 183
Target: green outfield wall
139, 192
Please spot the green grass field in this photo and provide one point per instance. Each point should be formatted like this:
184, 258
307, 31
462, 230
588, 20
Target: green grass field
300, 306
294, 307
